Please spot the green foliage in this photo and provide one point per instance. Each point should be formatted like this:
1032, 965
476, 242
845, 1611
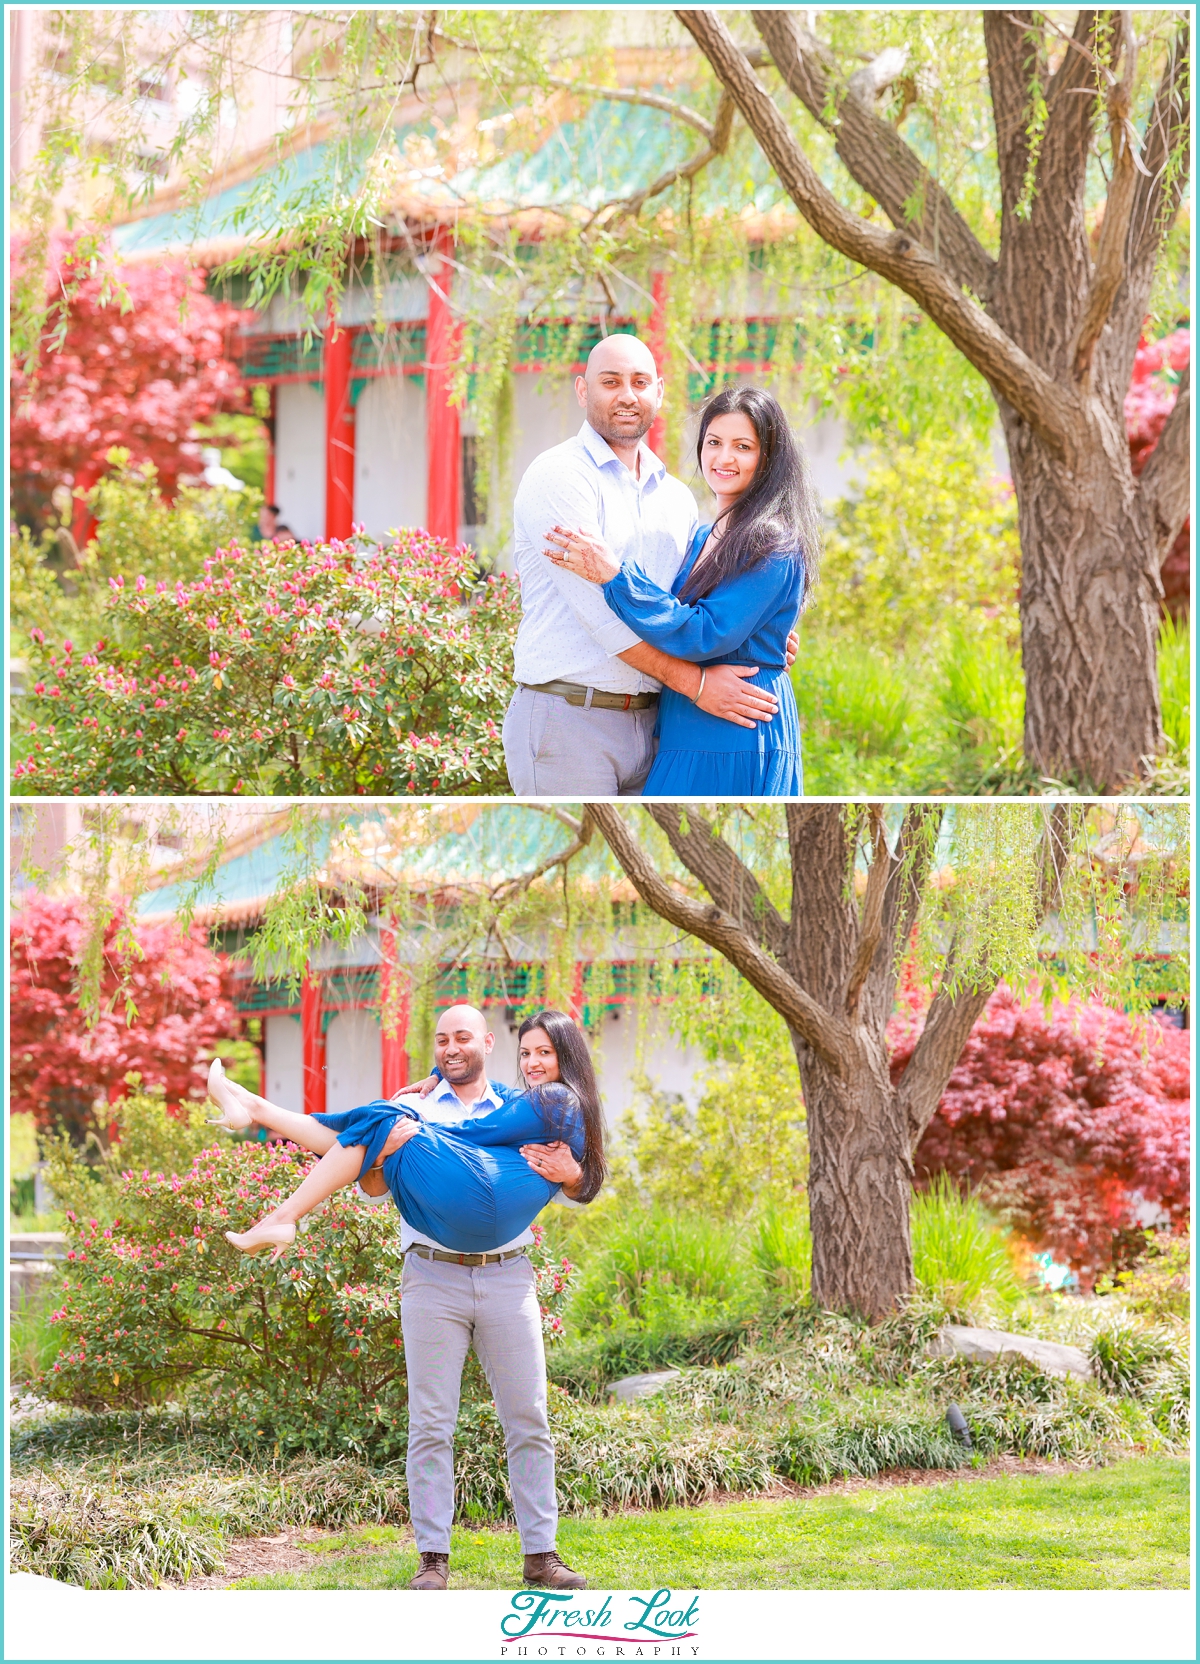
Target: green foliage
660, 1269
1159, 1284
143, 1136
743, 1144
138, 534
960, 1254
781, 1249
928, 539
33, 1339
1174, 681
22, 1144
283, 669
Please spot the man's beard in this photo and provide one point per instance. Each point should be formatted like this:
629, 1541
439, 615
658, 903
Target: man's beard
618, 436
461, 1073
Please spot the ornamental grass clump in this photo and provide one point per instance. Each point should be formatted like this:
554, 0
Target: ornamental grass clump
339, 667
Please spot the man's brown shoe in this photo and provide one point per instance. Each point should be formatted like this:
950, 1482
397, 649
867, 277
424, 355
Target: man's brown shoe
434, 1572
549, 1572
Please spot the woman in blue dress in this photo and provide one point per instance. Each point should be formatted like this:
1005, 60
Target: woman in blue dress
736, 597
462, 1183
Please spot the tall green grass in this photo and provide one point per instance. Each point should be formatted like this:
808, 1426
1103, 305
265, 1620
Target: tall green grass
945, 717
662, 1269
1174, 681
32, 1339
960, 1255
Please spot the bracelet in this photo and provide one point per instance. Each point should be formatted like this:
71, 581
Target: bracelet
700, 689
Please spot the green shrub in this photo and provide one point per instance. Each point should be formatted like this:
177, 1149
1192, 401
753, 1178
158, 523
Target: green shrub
334, 668
743, 1145
960, 1254
926, 540
1159, 1283
137, 533
1127, 1357
585, 1367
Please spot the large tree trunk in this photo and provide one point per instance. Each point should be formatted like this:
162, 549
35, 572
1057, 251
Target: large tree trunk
1090, 593
1051, 323
859, 1182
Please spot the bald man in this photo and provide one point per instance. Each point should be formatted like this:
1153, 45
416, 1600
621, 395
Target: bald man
581, 723
452, 1301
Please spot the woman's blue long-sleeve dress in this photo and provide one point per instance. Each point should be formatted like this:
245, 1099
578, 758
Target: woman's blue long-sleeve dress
464, 1182
745, 620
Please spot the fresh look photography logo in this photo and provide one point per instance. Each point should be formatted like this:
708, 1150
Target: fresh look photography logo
545, 1624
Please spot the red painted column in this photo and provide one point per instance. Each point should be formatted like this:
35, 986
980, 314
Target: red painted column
269, 482
339, 431
312, 1042
442, 442
577, 999
394, 1004
657, 437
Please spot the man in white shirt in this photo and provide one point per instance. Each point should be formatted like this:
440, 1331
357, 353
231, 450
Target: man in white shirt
450, 1301
581, 723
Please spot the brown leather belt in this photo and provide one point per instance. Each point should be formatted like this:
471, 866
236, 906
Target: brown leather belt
574, 694
424, 1253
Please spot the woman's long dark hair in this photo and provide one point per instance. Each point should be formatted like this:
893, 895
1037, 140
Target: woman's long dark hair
575, 1072
776, 514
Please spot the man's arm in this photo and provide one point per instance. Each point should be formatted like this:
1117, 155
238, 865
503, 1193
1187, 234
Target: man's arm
725, 692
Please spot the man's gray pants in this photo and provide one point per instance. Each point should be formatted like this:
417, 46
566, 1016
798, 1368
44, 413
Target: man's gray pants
443, 1309
558, 750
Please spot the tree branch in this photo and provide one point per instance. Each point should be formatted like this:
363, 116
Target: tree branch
514, 886
696, 163
1048, 408
872, 913
875, 155
1166, 481
827, 1035
1109, 269
724, 875
651, 100
951, 1019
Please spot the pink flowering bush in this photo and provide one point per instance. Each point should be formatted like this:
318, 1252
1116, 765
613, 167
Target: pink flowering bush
1069, 1123
303, 1352
329, 668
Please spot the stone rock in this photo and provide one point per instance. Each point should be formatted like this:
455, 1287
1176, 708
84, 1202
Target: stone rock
984, 1346
641, 1386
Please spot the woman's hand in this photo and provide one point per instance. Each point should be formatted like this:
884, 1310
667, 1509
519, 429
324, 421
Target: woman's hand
588, 557
555, 1163
419, 1088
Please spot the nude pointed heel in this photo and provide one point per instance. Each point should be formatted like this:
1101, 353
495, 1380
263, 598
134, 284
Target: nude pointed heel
278, 1237
232, 1117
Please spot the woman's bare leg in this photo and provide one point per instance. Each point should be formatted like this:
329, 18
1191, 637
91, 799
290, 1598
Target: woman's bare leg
336, 1169
241, 1107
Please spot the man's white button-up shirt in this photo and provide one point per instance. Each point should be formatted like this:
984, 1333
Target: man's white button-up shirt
568, 632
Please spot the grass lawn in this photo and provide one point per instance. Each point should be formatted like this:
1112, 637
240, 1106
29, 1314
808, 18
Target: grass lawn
1120, 1527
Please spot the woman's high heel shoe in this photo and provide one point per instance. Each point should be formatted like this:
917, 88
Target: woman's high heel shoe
253, 1241
232, 1116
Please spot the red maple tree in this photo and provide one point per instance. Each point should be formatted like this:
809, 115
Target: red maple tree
1148, 403
60, 1068
139, 378
1075, 1124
